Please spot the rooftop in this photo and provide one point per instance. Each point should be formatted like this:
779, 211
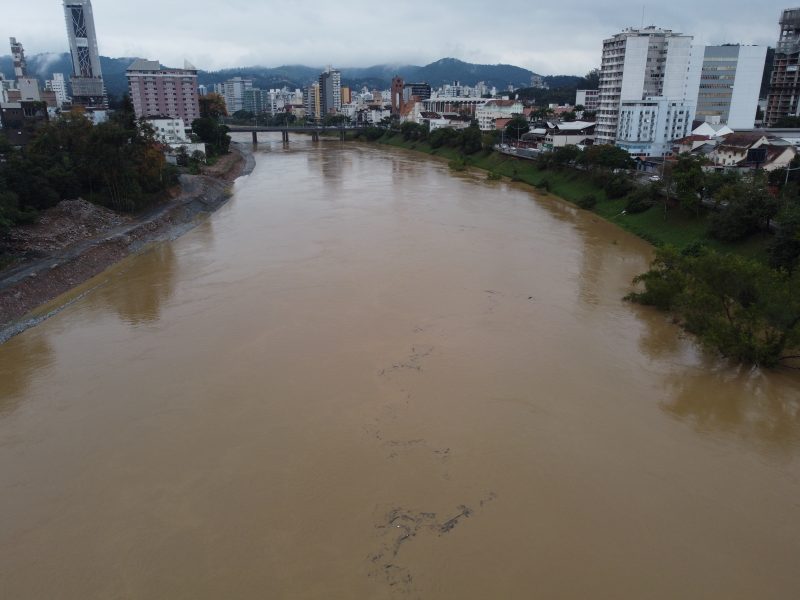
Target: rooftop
142, 64
575, 125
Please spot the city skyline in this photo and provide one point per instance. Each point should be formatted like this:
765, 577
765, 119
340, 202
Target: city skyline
548, 40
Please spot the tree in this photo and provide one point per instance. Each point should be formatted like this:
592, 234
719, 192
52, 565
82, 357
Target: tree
591, 81
542, 114
607, 156
471, 139
336, 120
690, 181
787, 123
443, 136
413, 131
116, 164
784, 250
517, 127
565, 155
744, 209
212, 106
735, 306
243, 115
214, 135
715, 182
283, 119
642, 199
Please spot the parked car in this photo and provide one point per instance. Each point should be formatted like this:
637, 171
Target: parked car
655, 178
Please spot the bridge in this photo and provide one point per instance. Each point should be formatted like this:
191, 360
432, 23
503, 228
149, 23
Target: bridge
314, 130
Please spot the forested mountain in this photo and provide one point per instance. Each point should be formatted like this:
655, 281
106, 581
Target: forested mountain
437, 73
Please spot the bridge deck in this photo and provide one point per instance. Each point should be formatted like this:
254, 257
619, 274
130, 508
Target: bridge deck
266, 129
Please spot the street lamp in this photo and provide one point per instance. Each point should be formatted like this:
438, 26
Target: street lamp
788, 170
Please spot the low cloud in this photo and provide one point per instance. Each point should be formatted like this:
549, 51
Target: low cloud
558, 38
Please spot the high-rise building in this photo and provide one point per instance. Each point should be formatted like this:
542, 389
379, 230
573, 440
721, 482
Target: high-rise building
730, 81
588, 99
397, 94
158, 91
59, 86
330, 92
347, 95
18, 58
87, 84
234, 93
638, 64
419, 90
311, 100
256, 101
784, 89
28, 87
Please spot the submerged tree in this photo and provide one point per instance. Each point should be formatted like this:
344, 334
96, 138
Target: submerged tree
738, 307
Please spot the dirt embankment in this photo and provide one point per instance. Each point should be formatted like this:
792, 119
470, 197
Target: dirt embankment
76, 240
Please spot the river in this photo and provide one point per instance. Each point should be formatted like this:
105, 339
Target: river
368, 377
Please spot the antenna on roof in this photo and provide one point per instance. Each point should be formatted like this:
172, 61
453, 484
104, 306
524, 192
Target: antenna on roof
643, 8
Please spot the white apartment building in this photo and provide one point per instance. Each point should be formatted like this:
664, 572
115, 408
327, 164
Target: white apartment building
172, 133
488, 113
58, 85
169, 131
729, 82
589, 99
641, 63
648, 127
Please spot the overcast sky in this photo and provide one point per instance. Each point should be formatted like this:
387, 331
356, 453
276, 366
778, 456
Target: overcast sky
560, 38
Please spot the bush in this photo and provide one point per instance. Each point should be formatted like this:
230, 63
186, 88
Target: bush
373, 133
458, 164
493, 176
618, 187
544, 184
639, 201
588, 202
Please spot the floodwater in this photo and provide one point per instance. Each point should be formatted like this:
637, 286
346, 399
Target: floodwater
367, 377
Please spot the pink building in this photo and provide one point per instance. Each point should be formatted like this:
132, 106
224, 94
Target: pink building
160, 92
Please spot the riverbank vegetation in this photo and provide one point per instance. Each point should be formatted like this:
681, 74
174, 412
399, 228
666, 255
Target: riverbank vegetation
116, 164
728, 258
736, 306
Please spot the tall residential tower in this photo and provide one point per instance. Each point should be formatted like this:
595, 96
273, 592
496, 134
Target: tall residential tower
784, 89
88, 88
330, 92
18, 57
639, 64
158, 91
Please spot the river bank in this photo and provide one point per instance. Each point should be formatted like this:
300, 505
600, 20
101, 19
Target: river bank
676, 227
64, 262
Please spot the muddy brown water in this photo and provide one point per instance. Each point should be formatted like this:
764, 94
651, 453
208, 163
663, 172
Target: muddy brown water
366, 377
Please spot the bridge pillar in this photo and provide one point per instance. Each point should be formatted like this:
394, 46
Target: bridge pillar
285, 138
255, 137
315, 136
341, 135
